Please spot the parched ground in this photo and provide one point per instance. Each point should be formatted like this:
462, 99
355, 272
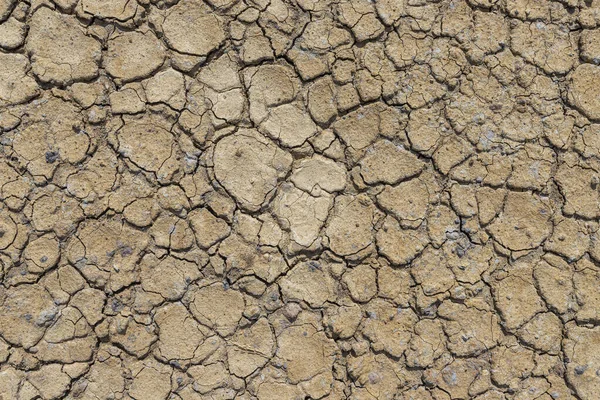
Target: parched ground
300, 199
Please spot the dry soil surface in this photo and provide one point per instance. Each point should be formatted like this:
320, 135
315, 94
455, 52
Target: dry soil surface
300, 199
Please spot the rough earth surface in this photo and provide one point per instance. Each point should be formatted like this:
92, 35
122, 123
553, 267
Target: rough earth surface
300, 199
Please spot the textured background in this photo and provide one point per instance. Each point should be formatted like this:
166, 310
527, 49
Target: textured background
299, 199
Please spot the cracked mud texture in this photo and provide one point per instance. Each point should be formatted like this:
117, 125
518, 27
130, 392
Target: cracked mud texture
300, 199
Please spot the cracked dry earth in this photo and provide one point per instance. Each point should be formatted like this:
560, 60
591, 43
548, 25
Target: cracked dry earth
300, 199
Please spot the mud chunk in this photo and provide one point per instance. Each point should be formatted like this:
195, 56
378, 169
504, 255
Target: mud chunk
129, 100
394, 284
46, 140
301, 213
106, 252
208, 229
55, 211
8, 231
555, 282
168, 277
581, 348
104, 378
318, 172
172, 232
432, 272
569, 239
321, 101
289, 125
415, 88
350, 225
61, 52
389, 329
173, 198
250, 348
28, 310
450, 152
361, 282
310, 282
470, 331
590, 49
458, 376
145, 145
582, 94
96, 178
407, 201
222, 4
359, 128
270, 86
141, 212
510, 364
15, 86
361, 19
543, 332
133, 55
50, 380
400, 245
343, 321
549, 46
249, 166
42, 254
151, 381
377, 373
581, 196
180, 337
6, 7
210, 377
255, 46
218, 307
426, 345
385, 162
221, 74
90, 303
69, 339
166, 87
516, 296
192, 28
524, 222
588, 299
120, 10
243, 258
135, 338
306, 352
